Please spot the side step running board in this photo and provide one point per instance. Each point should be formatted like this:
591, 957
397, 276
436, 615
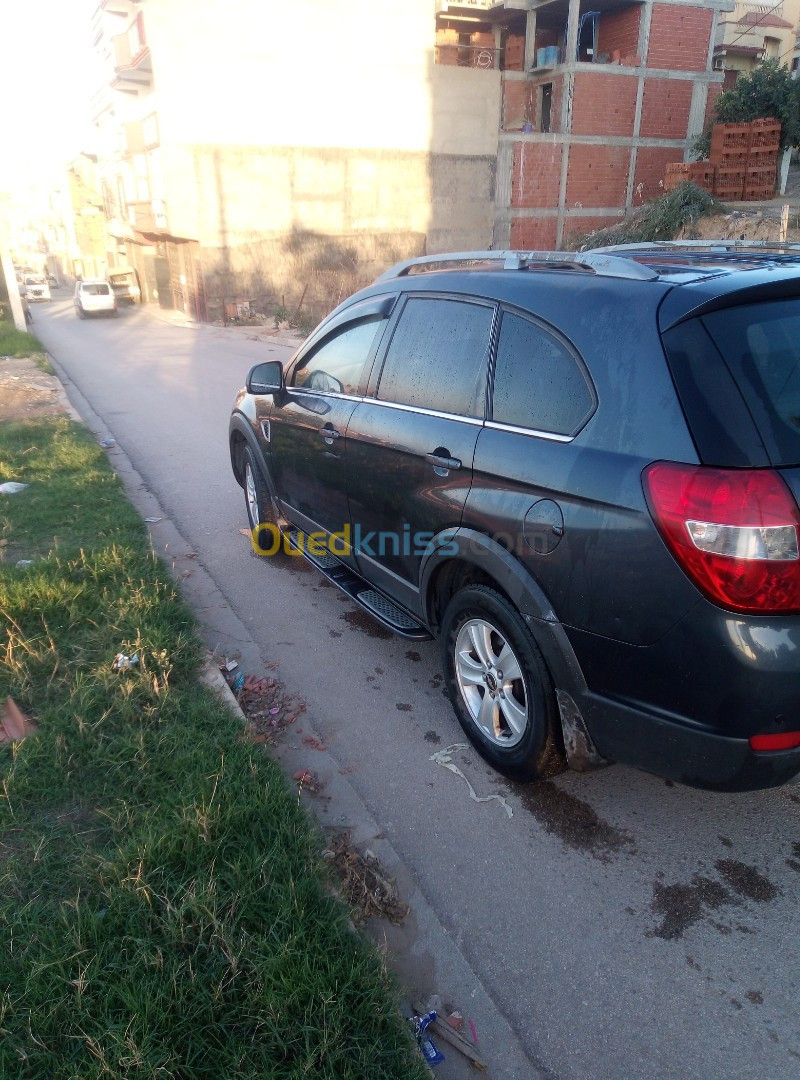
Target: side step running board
379, 607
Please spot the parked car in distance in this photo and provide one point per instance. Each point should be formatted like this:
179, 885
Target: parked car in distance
125, 284
581, 472
94, 296
36, 287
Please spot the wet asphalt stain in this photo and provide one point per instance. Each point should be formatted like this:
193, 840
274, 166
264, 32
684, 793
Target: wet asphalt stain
378, 671
746, 880
360, 620
726, 841
335, 633
412, 654
796, 849
436, 682
402, 706
793, 865
755, 997
680, 906
669, 783
432, 737
736, 1004
572, 820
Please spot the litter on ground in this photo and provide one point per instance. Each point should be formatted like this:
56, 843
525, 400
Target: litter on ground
11, 488
14, 724
445, 759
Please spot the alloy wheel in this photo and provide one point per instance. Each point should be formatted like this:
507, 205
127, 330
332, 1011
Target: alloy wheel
491, 682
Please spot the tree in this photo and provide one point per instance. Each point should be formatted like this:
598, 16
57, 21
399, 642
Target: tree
769, 90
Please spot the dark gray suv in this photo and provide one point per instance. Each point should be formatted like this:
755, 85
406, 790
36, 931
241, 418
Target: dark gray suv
581, 472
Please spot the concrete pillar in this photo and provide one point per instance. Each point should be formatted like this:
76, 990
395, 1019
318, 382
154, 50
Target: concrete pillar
530, 41
13, 292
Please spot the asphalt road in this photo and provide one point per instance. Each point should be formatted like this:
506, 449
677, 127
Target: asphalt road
624, 926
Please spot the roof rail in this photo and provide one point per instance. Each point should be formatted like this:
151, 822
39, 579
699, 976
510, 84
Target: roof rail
701, 245
597, 261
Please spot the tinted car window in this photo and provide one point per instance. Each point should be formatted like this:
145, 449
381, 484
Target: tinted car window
761, 346
336, 365
95, 290
438, 356
538, 383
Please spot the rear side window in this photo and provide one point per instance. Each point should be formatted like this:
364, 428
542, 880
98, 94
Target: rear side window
538, 382
438, 356
760, 343
336, 365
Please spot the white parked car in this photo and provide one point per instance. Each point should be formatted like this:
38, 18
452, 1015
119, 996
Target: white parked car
94, 296
36, 287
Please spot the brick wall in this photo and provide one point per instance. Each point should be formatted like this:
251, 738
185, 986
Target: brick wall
582, 224
598, 175
713, 93
619, 30
533, 234
679, 37
651, 162
536, 175
603, 104
665, 109
520, 99
517, 96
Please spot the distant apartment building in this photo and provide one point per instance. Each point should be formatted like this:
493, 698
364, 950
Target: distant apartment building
290, 152
752, 33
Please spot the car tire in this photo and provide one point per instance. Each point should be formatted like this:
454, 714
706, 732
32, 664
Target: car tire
256, 494
80, 312
511, 716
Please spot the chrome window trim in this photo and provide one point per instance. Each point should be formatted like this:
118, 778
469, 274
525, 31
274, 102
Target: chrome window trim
550, 435
425, 412
307, 392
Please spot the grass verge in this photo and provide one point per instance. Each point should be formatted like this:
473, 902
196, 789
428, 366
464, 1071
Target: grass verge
162, 897
15, 342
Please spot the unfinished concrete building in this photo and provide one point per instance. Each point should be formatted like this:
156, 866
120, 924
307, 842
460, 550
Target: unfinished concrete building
285, 154
607, 92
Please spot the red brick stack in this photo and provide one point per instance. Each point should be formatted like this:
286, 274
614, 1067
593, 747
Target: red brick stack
700, 173
730, 150
743, 162
762, 165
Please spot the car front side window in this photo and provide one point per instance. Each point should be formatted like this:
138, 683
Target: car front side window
336, 366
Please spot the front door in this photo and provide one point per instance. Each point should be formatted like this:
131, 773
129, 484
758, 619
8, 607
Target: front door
308, 427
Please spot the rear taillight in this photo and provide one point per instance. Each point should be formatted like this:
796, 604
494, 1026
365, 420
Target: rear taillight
783, 740
734, 532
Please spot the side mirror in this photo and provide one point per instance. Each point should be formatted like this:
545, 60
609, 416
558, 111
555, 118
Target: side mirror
266, 378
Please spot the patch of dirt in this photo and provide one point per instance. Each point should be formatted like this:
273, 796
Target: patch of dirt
755, 224
26, 392
364, 883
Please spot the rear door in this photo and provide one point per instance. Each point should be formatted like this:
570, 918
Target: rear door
411, 441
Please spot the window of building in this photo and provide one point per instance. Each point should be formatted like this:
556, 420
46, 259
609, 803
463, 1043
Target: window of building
438, 356
538, 382
337, 365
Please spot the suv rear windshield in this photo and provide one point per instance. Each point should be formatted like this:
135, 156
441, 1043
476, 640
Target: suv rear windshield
761, 346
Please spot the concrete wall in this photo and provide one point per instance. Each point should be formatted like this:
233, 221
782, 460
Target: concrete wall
326, 132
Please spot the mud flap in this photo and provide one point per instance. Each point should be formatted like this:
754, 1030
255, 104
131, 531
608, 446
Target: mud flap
582, 754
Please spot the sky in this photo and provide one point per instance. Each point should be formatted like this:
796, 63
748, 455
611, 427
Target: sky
47, 76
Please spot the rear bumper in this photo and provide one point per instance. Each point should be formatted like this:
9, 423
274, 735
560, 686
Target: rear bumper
679, 752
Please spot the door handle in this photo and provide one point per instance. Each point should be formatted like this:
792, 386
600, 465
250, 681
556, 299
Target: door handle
330, 433
441, 462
